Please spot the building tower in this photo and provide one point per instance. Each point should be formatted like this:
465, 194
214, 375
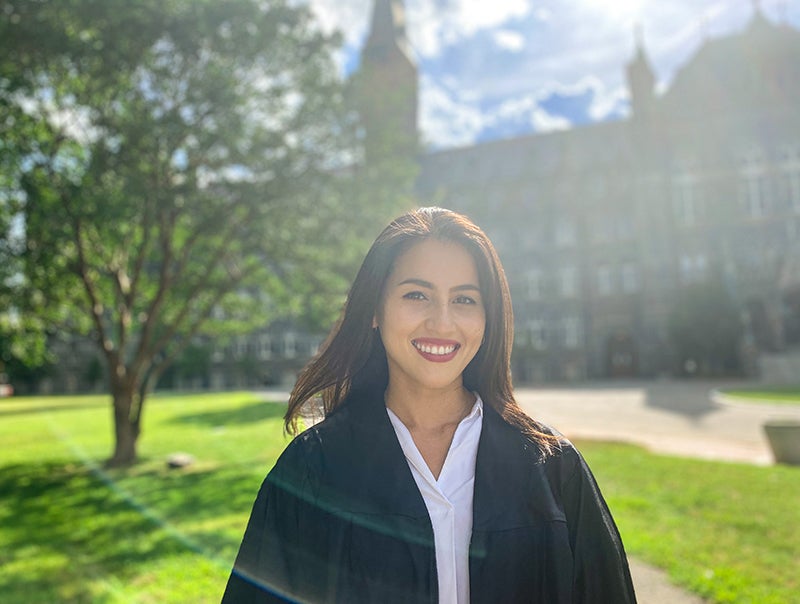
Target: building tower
386, 85
641, 81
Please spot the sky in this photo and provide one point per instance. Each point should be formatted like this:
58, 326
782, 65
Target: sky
492, 69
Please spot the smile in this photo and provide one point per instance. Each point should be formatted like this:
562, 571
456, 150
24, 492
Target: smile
432, 350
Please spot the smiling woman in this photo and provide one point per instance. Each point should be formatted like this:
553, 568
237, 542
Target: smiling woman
431, 320
426, 482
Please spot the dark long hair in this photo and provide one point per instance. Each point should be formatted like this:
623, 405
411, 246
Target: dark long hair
352, 360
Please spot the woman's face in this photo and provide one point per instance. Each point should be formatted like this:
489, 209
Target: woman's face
431, 317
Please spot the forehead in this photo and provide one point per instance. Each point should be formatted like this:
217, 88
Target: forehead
443, 263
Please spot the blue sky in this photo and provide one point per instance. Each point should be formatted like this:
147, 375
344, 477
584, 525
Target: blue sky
499, 68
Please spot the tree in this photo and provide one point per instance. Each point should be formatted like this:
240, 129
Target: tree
186, 172
23, 354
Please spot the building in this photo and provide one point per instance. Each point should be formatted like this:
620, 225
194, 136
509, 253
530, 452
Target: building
601, 227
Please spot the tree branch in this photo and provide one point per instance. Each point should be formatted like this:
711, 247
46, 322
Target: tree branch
82, 268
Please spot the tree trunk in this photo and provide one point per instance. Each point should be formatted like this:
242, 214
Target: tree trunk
126, 428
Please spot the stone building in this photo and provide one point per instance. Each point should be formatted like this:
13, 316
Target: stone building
599, 227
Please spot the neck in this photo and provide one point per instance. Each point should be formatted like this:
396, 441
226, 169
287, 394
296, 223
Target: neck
420, 408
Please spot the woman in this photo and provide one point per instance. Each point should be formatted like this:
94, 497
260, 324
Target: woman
426, 482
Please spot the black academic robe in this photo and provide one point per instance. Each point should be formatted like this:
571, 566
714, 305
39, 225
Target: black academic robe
340, 519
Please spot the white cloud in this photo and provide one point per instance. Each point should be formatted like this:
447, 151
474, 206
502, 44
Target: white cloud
447, 121
509, 40
607, 101
526, 109
431, 29
546, 122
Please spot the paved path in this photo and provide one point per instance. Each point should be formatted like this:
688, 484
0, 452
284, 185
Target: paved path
668, 417
680, 418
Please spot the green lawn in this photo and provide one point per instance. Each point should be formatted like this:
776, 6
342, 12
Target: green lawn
789, 395
72, 532
729, 532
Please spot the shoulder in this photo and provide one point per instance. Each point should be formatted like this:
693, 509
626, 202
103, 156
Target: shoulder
560, 463
344, 434
313, 441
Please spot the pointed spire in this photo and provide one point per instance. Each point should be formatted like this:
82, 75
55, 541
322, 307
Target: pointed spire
641, 80
638, 36
388, 21
388, 84
759, 19
388, 31
388, 28
640, 62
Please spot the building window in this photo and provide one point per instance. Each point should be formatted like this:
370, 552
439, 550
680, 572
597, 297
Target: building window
536, 335
793, 189
264, 347
686, 200
693, 267
604, 280
624, 226
754, 184
755, 193
630, 278
289, 345
240, 347
534, 284
568, 281
572, 332
790, 176
565, 233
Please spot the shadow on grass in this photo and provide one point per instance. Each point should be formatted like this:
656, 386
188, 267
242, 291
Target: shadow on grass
63, 527
33, 409
247, 414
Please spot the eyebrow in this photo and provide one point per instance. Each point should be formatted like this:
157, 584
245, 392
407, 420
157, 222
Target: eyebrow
429, 285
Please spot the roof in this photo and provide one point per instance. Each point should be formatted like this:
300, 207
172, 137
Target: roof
758, 66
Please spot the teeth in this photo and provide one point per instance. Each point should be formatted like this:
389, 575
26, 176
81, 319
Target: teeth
438, 350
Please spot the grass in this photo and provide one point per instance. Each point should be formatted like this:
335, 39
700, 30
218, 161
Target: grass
72, 532
789, 395
729, 532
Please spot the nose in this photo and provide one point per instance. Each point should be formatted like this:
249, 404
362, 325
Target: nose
440, 319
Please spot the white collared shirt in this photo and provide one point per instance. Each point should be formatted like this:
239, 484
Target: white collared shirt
449, 500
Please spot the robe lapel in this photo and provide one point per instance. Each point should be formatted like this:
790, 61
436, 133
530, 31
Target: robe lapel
513, 483
502, 476
378, 471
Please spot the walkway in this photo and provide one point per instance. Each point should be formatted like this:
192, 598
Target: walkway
679, 418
